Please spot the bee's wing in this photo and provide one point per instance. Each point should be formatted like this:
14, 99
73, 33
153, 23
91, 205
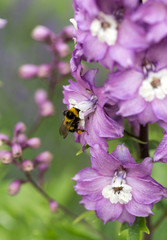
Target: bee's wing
64, 128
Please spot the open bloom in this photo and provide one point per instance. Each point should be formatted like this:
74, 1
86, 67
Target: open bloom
106, 32
90, 101
141, 92
118, 188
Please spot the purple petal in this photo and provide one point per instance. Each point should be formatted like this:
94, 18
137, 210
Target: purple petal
107, 211
89, 205
126, 217
160, 108
145, 191
132, 106
137, 209
86, 174
140, 170
94, 50
105, 163
157, 32
123, 85
147, 116
92, 189
90, 75
161, 151
122, 154
105, 126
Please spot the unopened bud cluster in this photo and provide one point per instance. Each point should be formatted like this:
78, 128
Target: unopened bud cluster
13, 153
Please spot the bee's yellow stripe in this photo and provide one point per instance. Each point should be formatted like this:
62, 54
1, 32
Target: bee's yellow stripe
73, 110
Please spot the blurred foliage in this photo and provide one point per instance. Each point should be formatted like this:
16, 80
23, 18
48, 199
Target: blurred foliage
27, 216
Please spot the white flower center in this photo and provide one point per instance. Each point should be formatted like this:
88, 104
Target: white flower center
105, 28
154, 86
118, 191
85, 107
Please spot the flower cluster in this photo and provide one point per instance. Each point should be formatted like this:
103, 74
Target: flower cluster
128, 38
13, 154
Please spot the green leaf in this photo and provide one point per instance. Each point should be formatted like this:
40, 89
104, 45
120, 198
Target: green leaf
81, 150
153, 144
136, 230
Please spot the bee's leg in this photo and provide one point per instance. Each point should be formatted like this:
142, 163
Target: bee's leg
80, 131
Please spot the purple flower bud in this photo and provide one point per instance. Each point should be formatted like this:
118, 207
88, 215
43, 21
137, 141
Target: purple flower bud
43, 167
21, 139
53, 205
28, 71
3, 22
44, 157
3, 138
67, 32
5, 157
16, 150
27, 166
44, 71
62, 49
14, 187
64, 68
33, 142
41, 34
40, 96
47, 109
19, 128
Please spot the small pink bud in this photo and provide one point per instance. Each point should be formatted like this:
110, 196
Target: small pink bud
47, 109
3, 22
27, 166
43, 167
44, 157
64, 68
28, 71
21, 139
67, 32
14, 187
33, 142
53, 205
16, 150
44, 71
19, 128
41, 34
4, 138
5, 157
62, 49
40, 96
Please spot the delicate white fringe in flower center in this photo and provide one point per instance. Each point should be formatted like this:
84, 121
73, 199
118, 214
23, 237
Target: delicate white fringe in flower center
85, 107
105, 28
118, 191
154, 86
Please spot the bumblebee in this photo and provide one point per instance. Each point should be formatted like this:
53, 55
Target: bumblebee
70, 122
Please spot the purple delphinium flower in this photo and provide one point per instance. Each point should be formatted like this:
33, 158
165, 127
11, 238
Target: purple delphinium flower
160, 153
116, 187
90, 102
141, 92
152, 15
106, 32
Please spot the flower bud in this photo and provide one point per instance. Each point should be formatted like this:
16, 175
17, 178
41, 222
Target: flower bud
27, 166
19, 128
3, 138
62, 49
44, 71
16, 150
47, 109
3, 22
5, 157
53, 205
14, 187
40, 96
67, 32
33, 142
44, 157
21, 139
41, 34
64, 68
28, 71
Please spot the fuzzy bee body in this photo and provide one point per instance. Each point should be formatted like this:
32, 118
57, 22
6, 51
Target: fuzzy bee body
70, 122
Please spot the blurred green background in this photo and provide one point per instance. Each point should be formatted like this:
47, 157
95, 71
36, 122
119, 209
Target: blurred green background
27, 216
